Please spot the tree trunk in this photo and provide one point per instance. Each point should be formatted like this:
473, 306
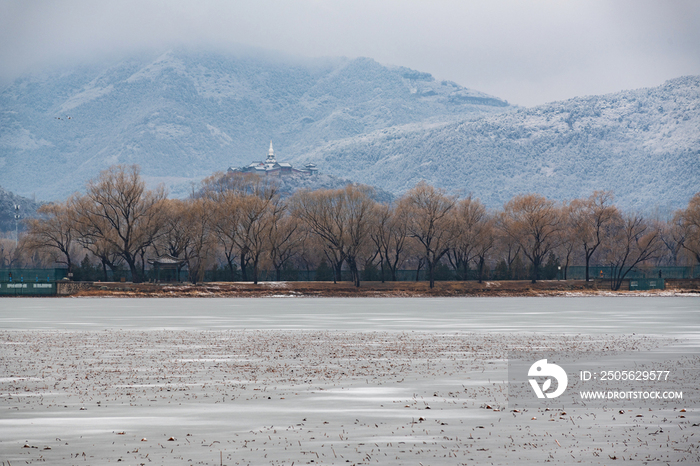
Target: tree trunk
392, 268
229, 260
131, 262
616, 278
255, 271
431, 276
355, 273
337, 268
244, 266
112, 267
143, 264
536, 269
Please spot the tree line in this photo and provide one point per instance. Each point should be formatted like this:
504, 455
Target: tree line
241, 222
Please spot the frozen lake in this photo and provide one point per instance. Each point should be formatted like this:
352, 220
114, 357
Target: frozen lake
319, 381
667, 316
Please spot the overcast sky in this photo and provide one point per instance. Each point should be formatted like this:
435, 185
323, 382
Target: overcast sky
527, 52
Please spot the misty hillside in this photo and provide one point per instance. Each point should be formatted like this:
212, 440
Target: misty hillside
183, 115
643, 144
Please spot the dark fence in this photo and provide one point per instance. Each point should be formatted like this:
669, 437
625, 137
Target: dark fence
647, 284
294, 275
12, 280
32, 275
30, 282
579, 272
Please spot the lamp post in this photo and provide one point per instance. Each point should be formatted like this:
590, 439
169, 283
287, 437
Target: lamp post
559, 273
17, 217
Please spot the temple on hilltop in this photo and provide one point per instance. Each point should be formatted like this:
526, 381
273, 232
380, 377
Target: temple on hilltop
272, 167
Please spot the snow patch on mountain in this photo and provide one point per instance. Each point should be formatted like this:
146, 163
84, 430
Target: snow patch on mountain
21, 139
84, 97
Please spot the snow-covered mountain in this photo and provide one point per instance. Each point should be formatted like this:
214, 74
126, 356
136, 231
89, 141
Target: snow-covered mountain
642, 144
185, 114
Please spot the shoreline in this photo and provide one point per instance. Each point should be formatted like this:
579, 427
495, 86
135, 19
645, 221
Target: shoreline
522, 288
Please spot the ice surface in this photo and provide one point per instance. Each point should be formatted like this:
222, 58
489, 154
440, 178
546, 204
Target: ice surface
336, 381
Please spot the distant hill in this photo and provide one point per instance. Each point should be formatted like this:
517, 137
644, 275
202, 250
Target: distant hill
185, 114
287, 185
643, 144
8, 201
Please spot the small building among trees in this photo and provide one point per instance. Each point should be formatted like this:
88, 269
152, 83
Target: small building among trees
167, 267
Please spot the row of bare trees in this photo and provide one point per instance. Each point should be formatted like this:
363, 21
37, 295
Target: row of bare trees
241, 221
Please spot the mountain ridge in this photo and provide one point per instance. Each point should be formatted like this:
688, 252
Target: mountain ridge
187, 114
640, 141
183, 115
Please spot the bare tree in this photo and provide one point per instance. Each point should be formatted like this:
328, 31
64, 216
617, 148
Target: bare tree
506, 248
9, 252
119, 210
588, 219
175, 237
484, 242
673, 236
241, 202
629, 241
198, 218
532, 221
568, 237
225, 226
359, 210
469, 215
284, 237
342, 218
255, 218
689, 222
53, 232
430, 223
107, 255
390, 236
322, 213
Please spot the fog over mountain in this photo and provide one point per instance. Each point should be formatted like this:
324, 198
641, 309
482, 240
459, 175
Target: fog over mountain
184, 114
